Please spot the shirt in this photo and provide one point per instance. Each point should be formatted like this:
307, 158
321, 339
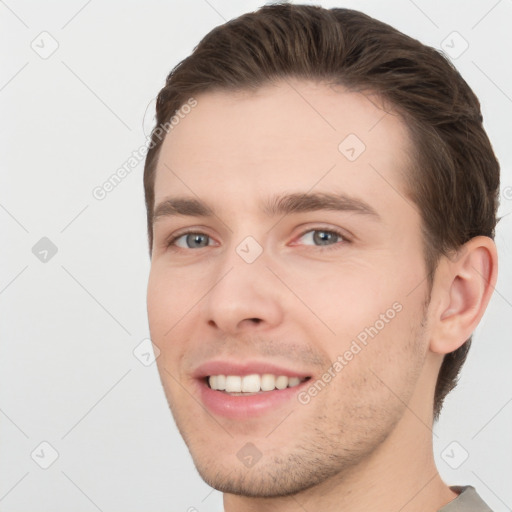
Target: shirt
467, 501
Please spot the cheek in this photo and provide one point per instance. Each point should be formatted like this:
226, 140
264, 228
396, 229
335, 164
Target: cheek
375, 378
169, 302
387, 354
363, 293
370, 317
170, 296
346, 297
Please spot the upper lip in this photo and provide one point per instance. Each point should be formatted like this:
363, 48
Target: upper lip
245, 368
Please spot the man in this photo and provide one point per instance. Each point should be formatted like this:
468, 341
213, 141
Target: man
321, 201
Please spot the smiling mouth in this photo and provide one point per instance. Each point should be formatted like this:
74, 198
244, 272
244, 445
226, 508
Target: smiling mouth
246, 385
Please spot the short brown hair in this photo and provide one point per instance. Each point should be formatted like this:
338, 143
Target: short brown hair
455, 177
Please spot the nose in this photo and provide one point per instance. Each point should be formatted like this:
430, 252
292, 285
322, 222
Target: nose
243, 296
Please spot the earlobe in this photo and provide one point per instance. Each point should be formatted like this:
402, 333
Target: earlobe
462, 292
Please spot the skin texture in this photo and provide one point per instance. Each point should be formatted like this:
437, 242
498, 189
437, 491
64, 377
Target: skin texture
365, 441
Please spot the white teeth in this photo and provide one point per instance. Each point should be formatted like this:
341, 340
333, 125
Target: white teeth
292, 382
221, 382
268, 382
233, 384
252, 383
282, 382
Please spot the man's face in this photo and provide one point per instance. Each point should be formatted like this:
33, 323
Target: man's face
328, 301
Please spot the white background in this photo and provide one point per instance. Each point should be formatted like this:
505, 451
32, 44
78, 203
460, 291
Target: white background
68, 375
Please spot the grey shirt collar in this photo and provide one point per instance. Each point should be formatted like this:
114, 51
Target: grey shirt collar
467, 501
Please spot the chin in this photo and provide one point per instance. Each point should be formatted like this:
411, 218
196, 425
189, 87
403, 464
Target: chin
277, 473
262, 482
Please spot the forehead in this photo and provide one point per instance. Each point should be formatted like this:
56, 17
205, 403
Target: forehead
293, 136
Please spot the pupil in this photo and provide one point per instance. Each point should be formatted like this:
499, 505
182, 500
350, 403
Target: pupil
196, 239
323, 237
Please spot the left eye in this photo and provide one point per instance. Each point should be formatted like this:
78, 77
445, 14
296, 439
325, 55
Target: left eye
322, 237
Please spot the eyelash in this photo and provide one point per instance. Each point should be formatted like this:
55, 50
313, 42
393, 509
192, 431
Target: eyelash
344, 239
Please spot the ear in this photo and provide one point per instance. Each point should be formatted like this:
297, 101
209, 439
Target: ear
462, 288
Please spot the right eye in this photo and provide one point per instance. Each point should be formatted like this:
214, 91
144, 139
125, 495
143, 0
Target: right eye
190, 240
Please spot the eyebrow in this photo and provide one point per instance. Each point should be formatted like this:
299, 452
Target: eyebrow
273, 206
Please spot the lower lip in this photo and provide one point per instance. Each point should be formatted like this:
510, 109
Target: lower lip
239, 407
